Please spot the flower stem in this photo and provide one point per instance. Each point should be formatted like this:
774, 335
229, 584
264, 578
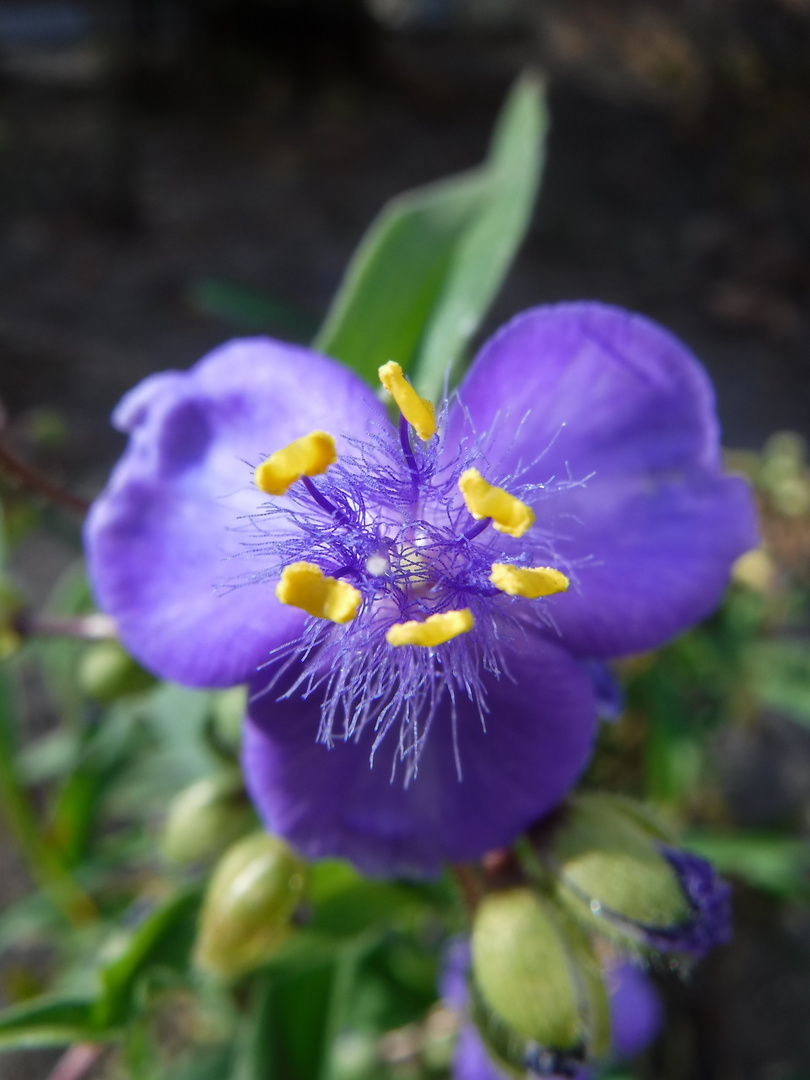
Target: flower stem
33, 479
468, 885
95, 627
78, 1062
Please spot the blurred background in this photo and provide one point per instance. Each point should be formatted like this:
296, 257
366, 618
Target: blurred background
177, 172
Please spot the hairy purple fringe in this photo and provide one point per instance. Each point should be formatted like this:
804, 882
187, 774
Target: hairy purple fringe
388, 517
710, 900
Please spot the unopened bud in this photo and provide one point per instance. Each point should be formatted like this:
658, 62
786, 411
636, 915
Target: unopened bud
206, 818
107, 673
537, 992
248, 907
618, 872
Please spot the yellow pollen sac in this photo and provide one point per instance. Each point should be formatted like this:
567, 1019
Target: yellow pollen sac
435, 630
418, 411
529, 581
304, 585
308, 456
509, 515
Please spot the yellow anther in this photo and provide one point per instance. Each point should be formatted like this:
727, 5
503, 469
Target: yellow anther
529, 581
509, 515
417, 411
308, 456
304, 585
435, 630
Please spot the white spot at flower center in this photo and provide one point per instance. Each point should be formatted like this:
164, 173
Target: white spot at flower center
377, 565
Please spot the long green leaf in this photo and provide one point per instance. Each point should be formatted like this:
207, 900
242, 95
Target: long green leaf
47, 1022
163, 939
431, 263
774, 863
486, 249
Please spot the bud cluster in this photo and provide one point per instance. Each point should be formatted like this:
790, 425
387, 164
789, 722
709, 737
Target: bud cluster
604, 876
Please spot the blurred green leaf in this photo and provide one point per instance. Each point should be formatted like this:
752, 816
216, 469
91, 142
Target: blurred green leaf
488, 246
248, 309
211, 1064
426, 271
163, 939
48, 1022
346, 904
781, 671
43, 860
771, 862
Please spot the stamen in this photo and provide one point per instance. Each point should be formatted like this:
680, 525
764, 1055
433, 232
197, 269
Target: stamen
417, 411
435, 630
476, 530
304, 585
308, 456
407, 449
531, 582
509, 515
320, 499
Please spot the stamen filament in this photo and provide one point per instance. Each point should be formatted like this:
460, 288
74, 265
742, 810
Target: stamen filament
407, 449
477, 529
320, 499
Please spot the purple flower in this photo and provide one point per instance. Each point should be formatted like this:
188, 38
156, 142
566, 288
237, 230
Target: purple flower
598, 428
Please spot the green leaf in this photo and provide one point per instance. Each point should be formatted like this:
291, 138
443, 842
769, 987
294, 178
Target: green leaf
771, 862
163, 939
781, 671
430, 264
48, 1022
488, 246
250, 310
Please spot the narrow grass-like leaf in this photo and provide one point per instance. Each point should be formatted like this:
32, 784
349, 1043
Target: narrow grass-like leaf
487, 247
47, 1022
432, 261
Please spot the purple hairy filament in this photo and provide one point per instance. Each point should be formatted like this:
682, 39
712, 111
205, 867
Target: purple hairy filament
410, 590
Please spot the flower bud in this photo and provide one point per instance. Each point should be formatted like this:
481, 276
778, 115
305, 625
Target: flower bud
537, 992
107, 673
205, 818
619, 874
254, 890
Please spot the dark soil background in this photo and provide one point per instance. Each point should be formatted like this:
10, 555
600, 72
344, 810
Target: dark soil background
157, 155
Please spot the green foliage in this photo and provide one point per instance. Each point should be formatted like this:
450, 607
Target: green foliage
432, 262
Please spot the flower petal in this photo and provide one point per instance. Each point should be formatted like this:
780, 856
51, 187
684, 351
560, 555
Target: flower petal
616, 418
331, 802
160, 537
636, 1012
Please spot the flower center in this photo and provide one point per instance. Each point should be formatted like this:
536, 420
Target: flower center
415, 566
407, 561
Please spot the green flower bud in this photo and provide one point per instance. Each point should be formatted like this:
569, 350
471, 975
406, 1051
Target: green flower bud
537, 991
107, 673
608, 855
246, 915
206, 818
